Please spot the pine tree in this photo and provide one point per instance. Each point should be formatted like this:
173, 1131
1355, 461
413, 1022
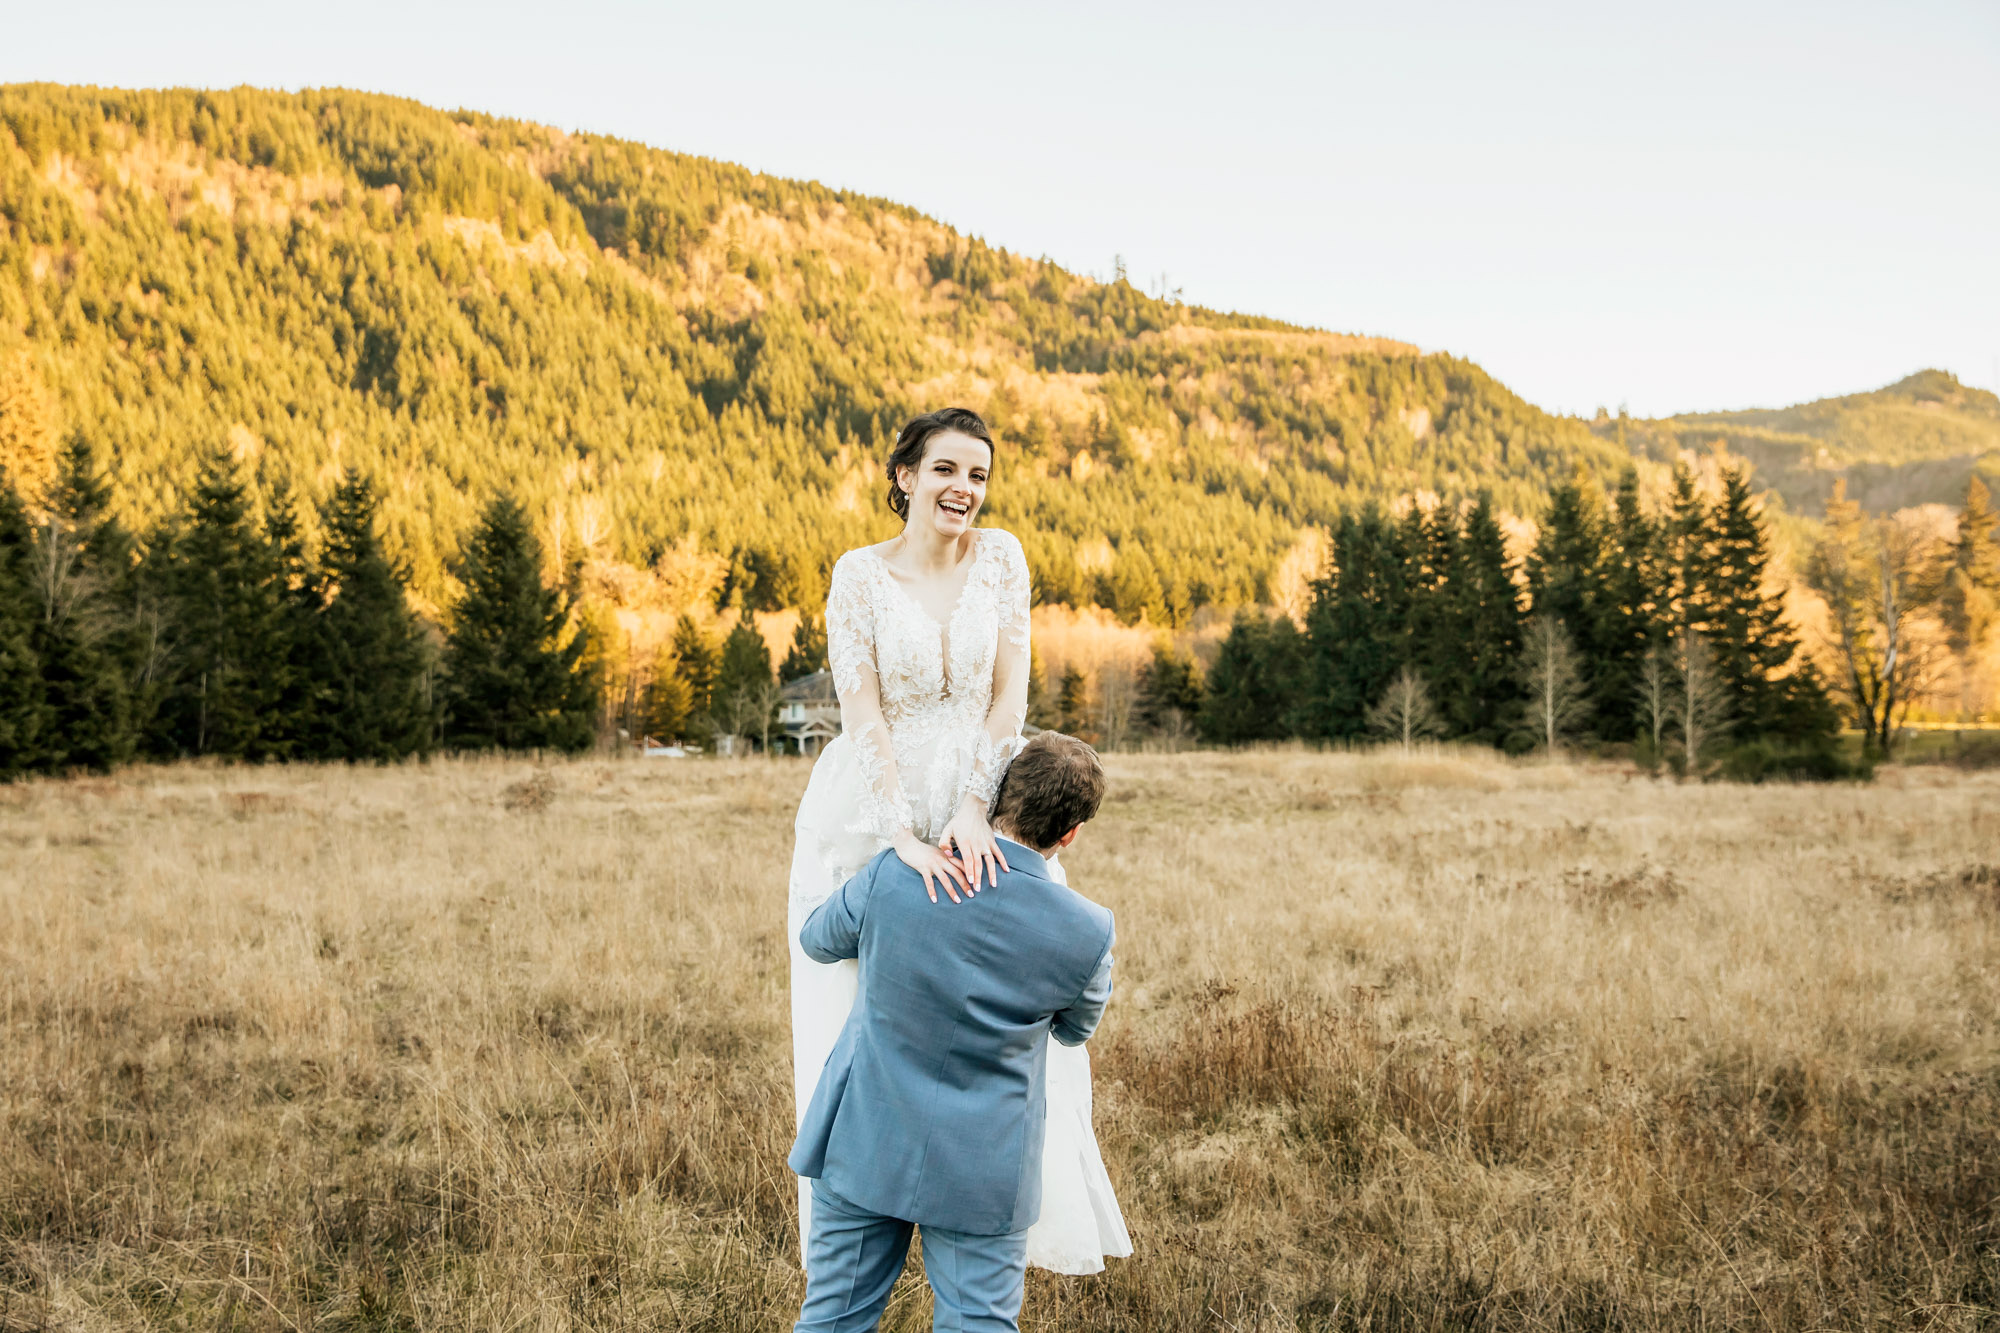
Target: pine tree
514, 677
1685, 557
1569, 575
696, 656
1356, 629
1970, 601
1753, 644
24, 711
371, 667
1628, 628
808, 652
227, 653
1073, 710
1254, 682
742, 697
1483, 624
669, 703
301, 703
1041, 706
1169, 690
83, 559
1430, 558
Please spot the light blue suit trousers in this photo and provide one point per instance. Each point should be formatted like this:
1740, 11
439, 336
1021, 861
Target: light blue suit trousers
855, 1257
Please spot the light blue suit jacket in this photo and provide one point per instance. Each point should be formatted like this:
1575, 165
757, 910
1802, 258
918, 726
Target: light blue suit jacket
931, 1107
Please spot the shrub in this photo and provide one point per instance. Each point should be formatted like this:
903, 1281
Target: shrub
1782, 761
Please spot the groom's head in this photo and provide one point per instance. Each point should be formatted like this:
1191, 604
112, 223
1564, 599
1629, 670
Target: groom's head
1054, 786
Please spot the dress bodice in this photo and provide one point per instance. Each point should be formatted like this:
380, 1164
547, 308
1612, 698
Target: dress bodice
929, 688
930, 675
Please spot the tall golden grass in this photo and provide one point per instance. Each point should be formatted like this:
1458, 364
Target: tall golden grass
1398, 1043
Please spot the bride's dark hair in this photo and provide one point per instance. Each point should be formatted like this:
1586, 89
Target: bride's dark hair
915, 437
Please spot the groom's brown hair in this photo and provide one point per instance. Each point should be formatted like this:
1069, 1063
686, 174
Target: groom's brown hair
1054, 784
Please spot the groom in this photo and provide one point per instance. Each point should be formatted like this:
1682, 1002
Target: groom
930, 1109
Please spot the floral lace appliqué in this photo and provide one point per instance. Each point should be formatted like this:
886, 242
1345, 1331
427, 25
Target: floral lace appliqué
934, 683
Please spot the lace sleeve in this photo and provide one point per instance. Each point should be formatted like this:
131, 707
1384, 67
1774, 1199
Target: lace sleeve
850, 655
1009, 709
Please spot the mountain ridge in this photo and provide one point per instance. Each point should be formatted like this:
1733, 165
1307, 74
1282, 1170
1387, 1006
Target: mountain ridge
686, 369
654, 347
1916, 441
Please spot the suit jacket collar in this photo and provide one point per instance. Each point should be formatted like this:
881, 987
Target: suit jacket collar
1023, 858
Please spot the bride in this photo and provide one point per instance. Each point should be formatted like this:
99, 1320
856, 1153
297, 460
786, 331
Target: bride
927, 638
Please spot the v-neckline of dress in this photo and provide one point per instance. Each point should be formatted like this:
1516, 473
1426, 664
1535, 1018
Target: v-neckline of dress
943, 627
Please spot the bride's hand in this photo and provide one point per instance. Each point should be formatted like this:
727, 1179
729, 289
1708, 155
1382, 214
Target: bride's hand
932, 863
977, 851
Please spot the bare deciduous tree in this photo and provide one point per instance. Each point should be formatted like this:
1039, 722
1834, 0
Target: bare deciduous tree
767, 698
1701, 701
1176, 730
1117, 693
1405, 712
1877, 576
747, 712
1656, 694
1557, 697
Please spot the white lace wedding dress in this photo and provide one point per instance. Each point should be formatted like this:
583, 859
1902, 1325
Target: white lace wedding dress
929, 712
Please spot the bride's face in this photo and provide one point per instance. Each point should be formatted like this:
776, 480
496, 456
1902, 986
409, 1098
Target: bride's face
948, 487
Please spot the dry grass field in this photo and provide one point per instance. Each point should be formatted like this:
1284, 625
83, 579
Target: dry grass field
1398, 1043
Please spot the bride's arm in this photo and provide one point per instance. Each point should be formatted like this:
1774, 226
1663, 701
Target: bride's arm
1001, 736
1009, 709
884, 805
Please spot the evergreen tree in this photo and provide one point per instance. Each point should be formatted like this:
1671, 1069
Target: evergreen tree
301, 704
1073, 711
1041, 705
1754, 647
1685, 557
808, 652
696, 657
1254, 682
1970, 601
228, 651
514, 675
370, 668
24, 712
669, 703
741, 696
1430, 556
1628, 626
1169, 689
83, 558
1569, 576
1356, 629
1481, 694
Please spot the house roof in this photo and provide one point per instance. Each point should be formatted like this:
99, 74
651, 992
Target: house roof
814, 689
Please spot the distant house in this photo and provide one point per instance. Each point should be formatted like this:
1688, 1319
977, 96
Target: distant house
809, 711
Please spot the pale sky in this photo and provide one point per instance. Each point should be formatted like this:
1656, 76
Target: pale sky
1678, 207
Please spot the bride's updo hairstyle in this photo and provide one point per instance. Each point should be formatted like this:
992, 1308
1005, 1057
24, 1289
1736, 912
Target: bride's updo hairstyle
915, 437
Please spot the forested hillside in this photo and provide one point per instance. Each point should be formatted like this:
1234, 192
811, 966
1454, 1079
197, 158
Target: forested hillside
1916, 442
686, 371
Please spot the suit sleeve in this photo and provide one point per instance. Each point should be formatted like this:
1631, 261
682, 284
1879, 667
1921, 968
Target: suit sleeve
833, 931
1073, 1026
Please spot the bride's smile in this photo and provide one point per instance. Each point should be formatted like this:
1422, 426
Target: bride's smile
950, 482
